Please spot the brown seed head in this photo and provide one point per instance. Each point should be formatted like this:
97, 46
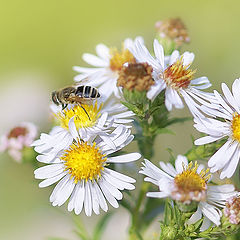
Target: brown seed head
136, 76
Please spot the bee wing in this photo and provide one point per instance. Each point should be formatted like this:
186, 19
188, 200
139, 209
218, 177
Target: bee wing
80, 100
83, 82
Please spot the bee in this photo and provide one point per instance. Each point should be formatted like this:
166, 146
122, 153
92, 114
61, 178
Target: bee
75, 95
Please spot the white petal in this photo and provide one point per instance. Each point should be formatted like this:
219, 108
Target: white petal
49, 181
235, 91
73, 129
103, 51
88, 200
80, 196
124, 158
120, 176
206, 139
158, 50
181, 162
229, 97
102, 201
49, 171
195, 217
108, 195
157, 194
168, 168
95, 201
95, 61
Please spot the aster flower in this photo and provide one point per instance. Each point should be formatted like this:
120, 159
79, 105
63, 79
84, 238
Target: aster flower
173, 74
98, 122
17, 138
83, 174
106, 66
227, 109
188, 183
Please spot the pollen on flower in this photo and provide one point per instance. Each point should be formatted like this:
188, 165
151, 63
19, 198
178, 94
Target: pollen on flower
81, 119
136, 76
119, 58
232, 209
190, 185
236, 127
177, 75
84, 162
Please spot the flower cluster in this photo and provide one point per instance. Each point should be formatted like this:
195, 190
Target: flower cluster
135, 86
78, 152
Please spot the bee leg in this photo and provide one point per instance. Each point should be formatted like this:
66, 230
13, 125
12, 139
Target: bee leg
85, 112
64, 106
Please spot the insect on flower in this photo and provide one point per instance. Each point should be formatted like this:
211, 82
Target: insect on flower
75, 95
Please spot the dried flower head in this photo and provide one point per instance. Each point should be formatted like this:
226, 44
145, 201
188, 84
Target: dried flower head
136, 76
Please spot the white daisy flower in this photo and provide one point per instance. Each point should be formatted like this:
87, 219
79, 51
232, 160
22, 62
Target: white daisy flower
17, 138
106, 65
173, 74
188, 183
83, 174
98, 122
227, 109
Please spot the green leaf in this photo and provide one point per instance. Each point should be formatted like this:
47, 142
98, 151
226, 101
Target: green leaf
99, 229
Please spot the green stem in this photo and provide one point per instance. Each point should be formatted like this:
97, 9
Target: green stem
136, 224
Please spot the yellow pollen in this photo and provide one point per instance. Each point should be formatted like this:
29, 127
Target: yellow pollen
119, 58
190, 181
81, 119
236, 127
84, 162
177, 75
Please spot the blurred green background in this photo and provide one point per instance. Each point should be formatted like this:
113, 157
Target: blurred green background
41, 41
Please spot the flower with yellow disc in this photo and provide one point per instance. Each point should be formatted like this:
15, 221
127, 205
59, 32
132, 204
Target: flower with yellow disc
188, 183
83, 173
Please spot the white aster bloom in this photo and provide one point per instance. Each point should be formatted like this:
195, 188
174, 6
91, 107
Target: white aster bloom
172, 74
227, 109
17, 138
188, 183
106, 65
73, 118
83, 175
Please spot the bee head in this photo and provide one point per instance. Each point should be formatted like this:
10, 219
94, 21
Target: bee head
54, 98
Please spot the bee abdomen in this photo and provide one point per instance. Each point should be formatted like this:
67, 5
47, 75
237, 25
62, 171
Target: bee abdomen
87, 92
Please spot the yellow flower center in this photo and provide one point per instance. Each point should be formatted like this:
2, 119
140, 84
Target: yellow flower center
84, 115
177, 75
84, 162
236, 127
119, 58
190, 185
